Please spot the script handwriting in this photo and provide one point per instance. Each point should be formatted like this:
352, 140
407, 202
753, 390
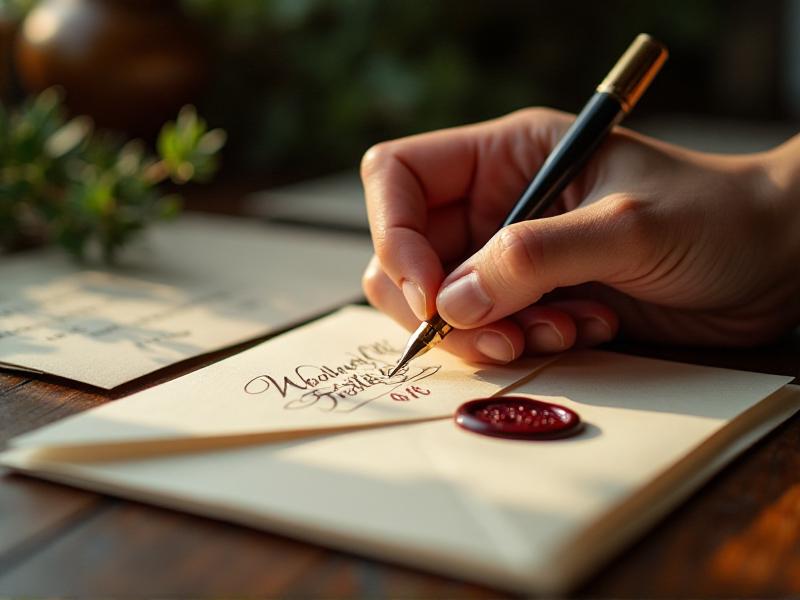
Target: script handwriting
88, 306
346, 386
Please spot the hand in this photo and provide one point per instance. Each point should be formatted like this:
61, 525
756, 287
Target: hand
667, 244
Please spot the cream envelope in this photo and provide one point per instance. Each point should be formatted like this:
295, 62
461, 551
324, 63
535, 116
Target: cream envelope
525, 516
327, 375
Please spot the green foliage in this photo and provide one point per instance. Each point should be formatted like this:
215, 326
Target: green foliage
15, 8
60, 181
188, 149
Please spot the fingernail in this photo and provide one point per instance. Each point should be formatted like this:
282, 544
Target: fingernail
494, 345
594, 331
544, 338
464, 302
416, 299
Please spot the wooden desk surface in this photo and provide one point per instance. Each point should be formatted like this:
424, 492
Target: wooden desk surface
738, 536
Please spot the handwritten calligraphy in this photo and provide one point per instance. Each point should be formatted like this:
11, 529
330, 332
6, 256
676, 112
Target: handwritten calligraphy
361, 378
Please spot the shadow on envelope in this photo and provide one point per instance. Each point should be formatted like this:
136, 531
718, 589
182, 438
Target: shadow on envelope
519, 515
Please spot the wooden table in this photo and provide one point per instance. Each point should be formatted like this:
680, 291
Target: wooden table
738, 536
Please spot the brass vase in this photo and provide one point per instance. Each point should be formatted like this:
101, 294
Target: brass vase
129, 64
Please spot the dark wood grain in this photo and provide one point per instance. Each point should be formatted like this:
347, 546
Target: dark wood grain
738, 536
27, 405
108, 555
32, 511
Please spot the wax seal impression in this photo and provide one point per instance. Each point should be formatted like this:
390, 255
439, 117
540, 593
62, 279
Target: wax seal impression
519, 418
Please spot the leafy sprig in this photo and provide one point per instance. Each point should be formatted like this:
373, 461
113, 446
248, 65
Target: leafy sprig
61, 181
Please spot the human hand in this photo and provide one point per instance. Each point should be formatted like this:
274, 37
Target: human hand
668, 244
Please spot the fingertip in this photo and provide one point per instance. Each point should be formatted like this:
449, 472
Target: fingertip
373, 157
498, 343
372, 279
383, 294
547, 330
464, 302
544, 338
495, 345
594, 331
596, 323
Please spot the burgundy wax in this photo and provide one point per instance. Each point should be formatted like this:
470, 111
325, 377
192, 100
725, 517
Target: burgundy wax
518, 418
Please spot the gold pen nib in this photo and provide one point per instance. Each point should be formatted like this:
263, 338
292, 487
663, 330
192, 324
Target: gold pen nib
427, 335
415, 347
397, 367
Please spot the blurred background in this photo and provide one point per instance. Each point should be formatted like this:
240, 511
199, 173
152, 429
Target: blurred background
303, 87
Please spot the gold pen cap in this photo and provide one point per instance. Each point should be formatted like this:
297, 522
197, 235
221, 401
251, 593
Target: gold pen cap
634, 71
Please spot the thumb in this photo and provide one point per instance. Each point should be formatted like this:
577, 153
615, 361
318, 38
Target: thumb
606, 241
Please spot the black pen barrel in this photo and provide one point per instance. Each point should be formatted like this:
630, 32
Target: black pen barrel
588, 131
616, 95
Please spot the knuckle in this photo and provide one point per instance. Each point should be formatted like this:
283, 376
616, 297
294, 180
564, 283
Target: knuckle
633, 217
534, 113
374, 157
522, 254
539, 124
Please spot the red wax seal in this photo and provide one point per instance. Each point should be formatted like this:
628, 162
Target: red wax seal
518, 418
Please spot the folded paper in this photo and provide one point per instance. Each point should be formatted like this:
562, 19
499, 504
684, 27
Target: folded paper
192, 287
526, 516
330, 374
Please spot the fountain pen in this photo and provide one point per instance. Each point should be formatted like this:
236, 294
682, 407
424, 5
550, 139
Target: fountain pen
614, 98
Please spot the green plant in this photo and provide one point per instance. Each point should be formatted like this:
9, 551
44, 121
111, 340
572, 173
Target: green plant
15, 8
63, 182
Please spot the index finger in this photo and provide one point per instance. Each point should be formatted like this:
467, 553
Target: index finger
403, 179
485, 165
